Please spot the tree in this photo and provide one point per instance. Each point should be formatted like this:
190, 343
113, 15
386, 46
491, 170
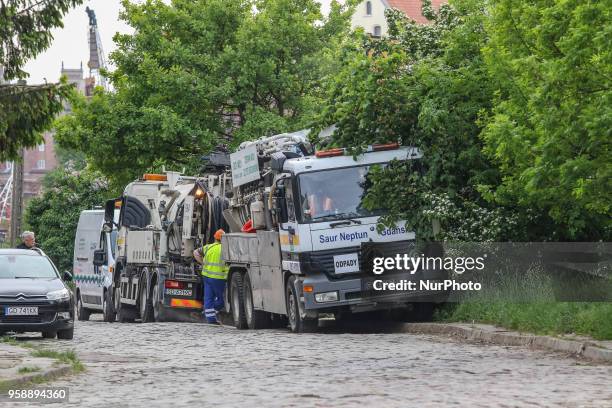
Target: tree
550, 131
25, 111
199, 73
424, 86
55, 214
511, 107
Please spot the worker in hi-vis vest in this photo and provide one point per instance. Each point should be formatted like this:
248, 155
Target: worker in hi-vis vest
214, 275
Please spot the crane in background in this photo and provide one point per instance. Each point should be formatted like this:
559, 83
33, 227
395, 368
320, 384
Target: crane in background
97, 62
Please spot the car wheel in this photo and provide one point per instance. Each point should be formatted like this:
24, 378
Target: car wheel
49, 335
67, 334
256, 319
237, 293
297, 323
82, 312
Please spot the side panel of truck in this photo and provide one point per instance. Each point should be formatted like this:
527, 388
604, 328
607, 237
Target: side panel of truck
272, 282
259, 255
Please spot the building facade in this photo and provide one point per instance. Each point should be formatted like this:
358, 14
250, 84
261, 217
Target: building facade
371, 14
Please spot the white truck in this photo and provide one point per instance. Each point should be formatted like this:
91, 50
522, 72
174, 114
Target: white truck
310, 249
162, 218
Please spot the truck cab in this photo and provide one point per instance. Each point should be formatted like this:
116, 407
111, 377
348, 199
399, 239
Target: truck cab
314, 241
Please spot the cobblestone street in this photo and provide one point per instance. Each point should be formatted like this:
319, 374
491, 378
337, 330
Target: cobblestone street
182, 364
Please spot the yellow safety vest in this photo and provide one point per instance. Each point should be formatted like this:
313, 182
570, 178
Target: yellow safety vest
212, 266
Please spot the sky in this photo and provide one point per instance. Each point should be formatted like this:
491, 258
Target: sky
70, 43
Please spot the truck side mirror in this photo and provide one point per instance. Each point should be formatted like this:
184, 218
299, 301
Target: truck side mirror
109, 211
99, 257
281, 205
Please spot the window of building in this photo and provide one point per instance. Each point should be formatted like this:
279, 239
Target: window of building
40, 164
41, 147
377, 31
368, 8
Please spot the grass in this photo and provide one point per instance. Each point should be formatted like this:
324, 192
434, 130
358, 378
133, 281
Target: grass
62, 357
66, 357
530, 305
26, 370
591, 319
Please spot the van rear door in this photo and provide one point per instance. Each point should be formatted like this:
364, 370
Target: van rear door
85, 243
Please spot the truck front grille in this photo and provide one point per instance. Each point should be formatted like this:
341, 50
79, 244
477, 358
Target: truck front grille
323, 261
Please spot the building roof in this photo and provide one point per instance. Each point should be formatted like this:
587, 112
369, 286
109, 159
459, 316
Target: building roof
412, 8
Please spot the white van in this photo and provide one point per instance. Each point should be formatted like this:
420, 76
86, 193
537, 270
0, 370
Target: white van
93, 262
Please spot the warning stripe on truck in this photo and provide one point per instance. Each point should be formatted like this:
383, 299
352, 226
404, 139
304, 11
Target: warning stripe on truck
190, 303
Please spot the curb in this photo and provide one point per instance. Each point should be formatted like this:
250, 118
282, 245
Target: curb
581, 349
44, 375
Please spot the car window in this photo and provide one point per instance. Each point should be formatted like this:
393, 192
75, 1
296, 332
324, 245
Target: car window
25, 266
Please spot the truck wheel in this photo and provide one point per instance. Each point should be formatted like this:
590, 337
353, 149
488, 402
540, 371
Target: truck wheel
146, 307
256, 319
237, 293
82, 312
123, 315
159, 313
108, 309
67, 334
297, 324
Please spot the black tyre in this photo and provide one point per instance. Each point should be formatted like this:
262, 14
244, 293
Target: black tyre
123, 315
297, 324
49, 335
108, 306
256, 319
159, 311
146, 306
237, 294
67, 334
82, 312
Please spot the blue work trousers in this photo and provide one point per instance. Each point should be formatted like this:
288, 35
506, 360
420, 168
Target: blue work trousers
213, 297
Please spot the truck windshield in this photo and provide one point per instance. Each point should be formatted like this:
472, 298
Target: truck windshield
335, 194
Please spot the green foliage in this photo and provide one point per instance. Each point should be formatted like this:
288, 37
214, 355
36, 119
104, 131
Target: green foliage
25, 111
551, 128
55, 214
199, 73
424, 86
510, 106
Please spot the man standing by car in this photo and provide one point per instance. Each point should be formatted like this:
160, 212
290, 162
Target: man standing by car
28, 240
214, 275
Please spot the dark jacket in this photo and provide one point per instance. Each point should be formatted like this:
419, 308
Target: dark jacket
24, 246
